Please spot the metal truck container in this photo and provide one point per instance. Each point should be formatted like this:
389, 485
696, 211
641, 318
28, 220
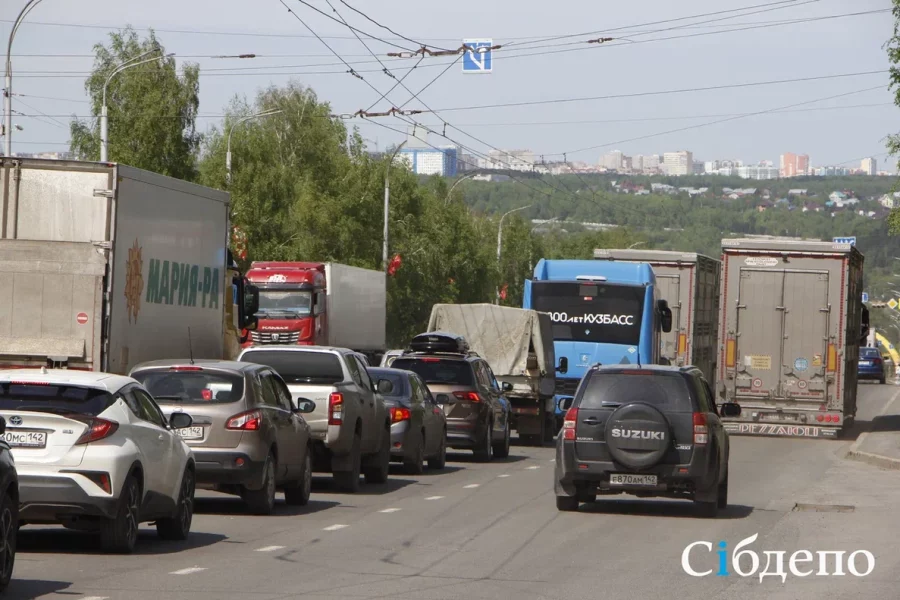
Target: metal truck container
792, 321
690, 283
357, 308
106, 266
518, 345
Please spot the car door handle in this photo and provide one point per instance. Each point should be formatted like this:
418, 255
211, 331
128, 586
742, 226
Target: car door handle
591, 421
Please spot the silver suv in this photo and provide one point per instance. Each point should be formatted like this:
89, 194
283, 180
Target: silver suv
246, 437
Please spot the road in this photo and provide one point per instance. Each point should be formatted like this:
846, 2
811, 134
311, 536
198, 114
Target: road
492, 531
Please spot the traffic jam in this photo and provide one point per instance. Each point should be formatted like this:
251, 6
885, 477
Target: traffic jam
142, 369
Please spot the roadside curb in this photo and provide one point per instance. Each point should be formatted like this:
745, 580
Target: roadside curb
877, 460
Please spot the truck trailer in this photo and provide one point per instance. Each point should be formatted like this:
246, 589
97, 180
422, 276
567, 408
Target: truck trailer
792, 322
320, 304
518, 345
106, 266
690, 283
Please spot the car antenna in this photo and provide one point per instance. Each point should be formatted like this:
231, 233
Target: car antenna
190, 346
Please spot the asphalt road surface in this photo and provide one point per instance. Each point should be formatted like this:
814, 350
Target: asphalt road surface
492, 531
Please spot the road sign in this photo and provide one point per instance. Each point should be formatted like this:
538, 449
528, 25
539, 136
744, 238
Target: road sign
865, 297
845, 240
475, 61
892, 303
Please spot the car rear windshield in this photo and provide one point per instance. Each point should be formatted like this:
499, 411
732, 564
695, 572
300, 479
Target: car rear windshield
53, 398
300, 367
438, 371
665, 391
192, 387
870, 353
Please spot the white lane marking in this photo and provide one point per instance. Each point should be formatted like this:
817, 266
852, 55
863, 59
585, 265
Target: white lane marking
504, 475
471, 485
335, 527
389, 510
434, 497
268, 548
552, 460
188, 571
533, 467
95, 598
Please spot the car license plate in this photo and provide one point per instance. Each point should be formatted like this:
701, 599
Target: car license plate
26, 439
864, 363
625, 479
191, 433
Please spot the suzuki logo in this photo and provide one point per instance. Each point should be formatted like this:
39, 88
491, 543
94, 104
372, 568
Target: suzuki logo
15, 420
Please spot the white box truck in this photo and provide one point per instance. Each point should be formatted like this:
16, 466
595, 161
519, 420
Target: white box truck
106, 266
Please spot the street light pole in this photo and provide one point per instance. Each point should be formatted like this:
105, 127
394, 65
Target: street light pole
231, 131
104, 116
456, 183
8, 99
387, 205
500, 242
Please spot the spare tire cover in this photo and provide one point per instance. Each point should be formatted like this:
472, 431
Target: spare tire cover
638, 435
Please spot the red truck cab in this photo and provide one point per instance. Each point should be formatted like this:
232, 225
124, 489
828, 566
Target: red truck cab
291, 303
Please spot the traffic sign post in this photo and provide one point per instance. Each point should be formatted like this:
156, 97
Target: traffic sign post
479, 58
845, 240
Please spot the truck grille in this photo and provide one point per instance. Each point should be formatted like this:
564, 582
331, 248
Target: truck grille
288, 337
566, 387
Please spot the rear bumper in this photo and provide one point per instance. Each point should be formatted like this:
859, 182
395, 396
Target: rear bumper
53, 498
399, 431
464, 435
870, 374
221, 467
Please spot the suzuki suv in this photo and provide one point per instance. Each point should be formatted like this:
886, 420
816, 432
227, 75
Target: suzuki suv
465, 388
651, 431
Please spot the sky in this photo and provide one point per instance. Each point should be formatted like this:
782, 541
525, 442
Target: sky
656, 51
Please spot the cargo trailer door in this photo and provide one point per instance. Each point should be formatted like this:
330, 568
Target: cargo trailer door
51, 304
669, 285
760, 333
806, 325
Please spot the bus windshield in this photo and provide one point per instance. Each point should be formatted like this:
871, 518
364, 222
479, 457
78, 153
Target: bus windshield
591, 312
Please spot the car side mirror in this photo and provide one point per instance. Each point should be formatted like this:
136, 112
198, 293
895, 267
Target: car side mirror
665, 315
180, 420
565, 404
385, 386
563, 365
506, 387
731, 409
444, 399
305, 405
2, 425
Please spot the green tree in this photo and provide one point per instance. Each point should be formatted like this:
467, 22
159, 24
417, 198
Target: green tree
893, 144
152, 109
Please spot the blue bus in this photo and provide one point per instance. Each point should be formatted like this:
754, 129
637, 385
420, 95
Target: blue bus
602, 312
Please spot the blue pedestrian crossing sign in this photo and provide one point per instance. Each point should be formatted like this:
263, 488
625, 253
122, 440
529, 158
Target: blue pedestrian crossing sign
478, 58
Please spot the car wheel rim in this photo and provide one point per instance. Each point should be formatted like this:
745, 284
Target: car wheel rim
187, 501
131, 514
7, 555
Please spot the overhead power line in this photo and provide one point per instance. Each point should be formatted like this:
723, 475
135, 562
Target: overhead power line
380, 25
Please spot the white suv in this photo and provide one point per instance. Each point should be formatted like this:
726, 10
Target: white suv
94, 452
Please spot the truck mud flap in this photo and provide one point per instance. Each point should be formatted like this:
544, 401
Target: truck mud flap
775, 430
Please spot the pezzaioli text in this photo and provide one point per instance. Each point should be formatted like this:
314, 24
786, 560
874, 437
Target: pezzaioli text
801, 563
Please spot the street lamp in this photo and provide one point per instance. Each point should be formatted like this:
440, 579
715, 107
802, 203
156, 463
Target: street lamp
387, 205
456, 183
636, 244
231, 130
500, 241
104, 117
12, 34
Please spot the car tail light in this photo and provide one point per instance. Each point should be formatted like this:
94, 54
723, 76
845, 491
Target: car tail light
400, 414
468, 396
570, 423
245, 421
431, 360
701, 430
97, 430
335, 408
186, 368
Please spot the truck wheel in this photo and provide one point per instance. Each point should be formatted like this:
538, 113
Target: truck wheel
412, 463
485, 450
439, 461
262, 501
348, 481
501, 450
378, 471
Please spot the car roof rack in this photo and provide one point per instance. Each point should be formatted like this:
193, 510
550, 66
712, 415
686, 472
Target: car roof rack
439, 342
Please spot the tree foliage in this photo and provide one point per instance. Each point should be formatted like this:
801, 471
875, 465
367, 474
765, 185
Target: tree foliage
893, 141
151, 108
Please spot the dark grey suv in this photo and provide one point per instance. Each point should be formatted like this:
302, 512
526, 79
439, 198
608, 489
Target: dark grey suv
646, 431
